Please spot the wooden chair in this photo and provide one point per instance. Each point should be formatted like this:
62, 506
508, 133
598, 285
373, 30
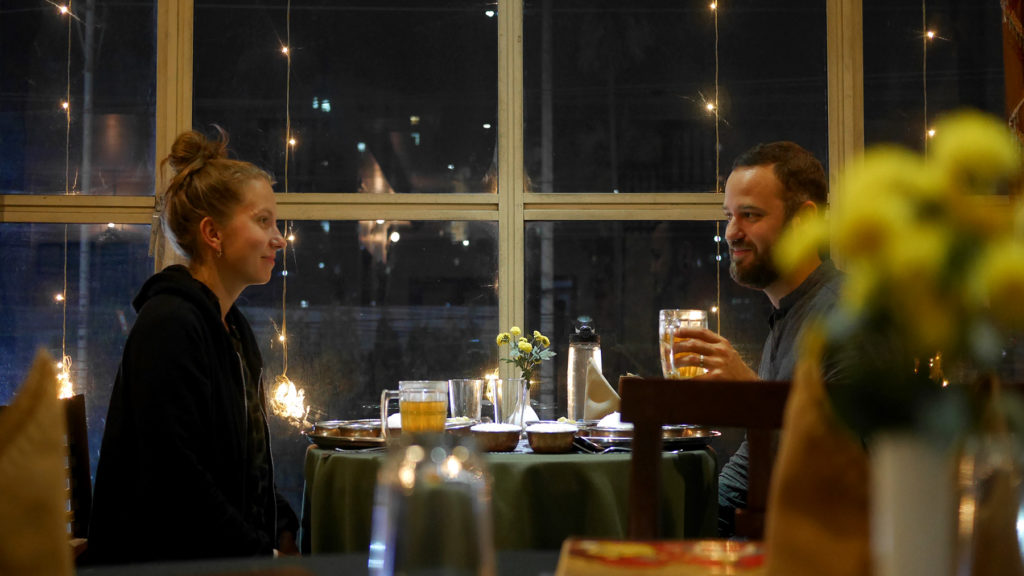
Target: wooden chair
79, 487
650, 404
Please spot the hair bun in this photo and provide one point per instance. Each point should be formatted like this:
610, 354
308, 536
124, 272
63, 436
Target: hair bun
191, 150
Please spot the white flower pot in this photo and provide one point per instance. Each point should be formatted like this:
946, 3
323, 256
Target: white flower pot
913, 507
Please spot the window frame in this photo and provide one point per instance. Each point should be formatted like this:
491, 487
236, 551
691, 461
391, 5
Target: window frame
512, 207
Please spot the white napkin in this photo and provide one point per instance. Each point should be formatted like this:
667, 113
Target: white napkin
602, 399
395, 420
33, 529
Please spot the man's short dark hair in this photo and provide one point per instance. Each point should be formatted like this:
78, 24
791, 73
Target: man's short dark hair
801, 174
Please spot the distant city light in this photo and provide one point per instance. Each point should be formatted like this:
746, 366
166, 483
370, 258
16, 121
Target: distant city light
465, 242
321, 265
325, 106
414, 120
304, 303
451, 166
325, 225
489, 13
361, 146
487, 125
415, 138
395, 236
316, 103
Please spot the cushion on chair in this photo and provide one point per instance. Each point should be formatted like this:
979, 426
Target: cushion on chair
33, 529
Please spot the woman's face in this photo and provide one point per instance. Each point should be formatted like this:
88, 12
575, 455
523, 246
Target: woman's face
250, 237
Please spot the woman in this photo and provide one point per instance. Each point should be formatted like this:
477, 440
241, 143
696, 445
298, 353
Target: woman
185, 469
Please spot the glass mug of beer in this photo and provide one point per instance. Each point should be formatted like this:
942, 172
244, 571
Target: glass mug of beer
423, 405
677, 366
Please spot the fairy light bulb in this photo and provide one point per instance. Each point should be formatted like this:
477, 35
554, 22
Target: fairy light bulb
65, 105
710, 107
284, 50
931, 132
713, 6
58, 297
291, 237
930, 34
62, 9
281, 338
292, 142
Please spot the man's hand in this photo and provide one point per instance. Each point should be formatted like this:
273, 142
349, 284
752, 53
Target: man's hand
702, 347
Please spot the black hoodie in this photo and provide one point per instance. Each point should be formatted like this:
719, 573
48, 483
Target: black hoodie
173, 479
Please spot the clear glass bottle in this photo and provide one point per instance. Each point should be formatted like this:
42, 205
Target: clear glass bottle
584, 345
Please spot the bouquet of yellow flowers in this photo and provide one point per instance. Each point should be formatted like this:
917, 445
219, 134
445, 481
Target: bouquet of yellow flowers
524, 352
933, 250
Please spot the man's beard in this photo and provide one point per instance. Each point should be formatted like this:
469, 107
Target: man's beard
758, 271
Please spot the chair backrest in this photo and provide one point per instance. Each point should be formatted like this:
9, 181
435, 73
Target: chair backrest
79, 487
650, 404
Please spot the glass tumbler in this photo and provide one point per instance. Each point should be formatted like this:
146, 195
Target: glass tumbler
432, 511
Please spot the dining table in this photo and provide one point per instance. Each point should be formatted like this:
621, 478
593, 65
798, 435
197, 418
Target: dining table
537, 500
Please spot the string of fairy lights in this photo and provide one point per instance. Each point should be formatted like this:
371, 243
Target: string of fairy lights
927, 36
713, 107
287, 399
65, 386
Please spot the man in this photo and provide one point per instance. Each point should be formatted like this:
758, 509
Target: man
771, 186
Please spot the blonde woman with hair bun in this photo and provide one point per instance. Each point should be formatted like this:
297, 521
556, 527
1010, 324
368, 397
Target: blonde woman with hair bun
185, 468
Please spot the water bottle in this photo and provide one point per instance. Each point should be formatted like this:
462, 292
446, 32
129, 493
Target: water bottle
584, 345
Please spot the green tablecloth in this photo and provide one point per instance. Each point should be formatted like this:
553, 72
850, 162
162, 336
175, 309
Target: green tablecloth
538, 499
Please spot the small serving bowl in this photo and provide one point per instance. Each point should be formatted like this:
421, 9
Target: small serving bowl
493, 437
551, 437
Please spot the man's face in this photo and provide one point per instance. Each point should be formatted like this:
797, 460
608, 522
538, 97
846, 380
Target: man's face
756, 217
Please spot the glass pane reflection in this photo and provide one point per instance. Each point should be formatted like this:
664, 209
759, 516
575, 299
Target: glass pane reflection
392, 97
105, 268
616, 92
965, 65
620, 274
111, 143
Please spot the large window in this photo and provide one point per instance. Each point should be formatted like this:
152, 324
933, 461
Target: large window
459, 166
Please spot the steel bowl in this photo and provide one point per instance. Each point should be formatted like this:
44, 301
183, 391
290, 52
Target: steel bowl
551, 437
496, 437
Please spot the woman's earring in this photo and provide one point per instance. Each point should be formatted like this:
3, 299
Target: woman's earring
220, 253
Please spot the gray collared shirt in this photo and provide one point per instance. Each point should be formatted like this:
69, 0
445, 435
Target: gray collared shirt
814, 297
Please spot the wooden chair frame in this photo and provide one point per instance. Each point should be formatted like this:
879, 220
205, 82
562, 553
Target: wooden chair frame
650, 404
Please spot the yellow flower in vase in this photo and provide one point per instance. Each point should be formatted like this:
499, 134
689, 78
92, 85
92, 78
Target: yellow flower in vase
527, 353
